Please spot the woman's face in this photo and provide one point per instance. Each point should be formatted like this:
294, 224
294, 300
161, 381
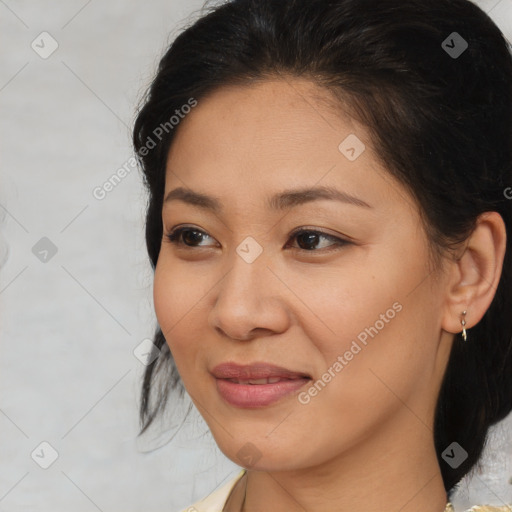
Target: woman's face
352, 301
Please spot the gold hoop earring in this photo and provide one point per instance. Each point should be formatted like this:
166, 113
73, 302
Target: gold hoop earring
463, 322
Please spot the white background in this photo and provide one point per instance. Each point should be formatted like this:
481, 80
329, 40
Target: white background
68, 326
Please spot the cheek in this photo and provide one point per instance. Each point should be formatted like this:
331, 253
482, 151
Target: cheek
164, 297
344, 303
176, 300
376, 319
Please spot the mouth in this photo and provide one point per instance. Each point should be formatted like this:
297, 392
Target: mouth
255, 371
270, 380
257, 384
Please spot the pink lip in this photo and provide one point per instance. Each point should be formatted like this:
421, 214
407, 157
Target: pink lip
256, 395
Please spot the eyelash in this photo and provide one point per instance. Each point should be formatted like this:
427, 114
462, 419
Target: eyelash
175, 238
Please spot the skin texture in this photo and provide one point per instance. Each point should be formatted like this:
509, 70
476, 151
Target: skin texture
367, 436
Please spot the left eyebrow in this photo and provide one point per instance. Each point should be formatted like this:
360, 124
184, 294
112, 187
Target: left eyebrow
291, 198
280, 201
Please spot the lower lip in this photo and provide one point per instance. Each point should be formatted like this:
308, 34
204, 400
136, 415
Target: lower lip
257, 395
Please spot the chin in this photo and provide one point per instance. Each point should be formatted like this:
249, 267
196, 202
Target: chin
262, 455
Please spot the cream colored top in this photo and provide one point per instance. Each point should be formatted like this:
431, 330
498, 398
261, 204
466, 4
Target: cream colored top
216, 501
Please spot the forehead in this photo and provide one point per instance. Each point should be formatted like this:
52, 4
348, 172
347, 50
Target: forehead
247, 140
269, 119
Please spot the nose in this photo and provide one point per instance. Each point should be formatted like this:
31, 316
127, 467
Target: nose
250, 301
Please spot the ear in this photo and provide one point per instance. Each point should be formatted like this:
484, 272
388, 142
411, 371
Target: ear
474, 277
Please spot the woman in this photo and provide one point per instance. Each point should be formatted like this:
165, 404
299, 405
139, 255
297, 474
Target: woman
329, 226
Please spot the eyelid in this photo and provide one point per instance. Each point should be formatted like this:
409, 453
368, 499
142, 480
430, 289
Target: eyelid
321, 231
338, 240
174, 233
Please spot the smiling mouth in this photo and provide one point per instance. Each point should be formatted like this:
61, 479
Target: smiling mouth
258, 393
255, 372
270, 380
258, 384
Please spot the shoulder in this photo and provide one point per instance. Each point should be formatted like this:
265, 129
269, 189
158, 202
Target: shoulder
487, 508
215, 501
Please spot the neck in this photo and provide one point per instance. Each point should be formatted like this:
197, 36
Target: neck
388, 472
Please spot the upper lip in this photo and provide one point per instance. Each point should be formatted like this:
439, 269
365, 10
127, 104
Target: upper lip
257, 370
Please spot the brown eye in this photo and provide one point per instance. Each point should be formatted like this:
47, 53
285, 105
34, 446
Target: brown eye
308, 240
191, 237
